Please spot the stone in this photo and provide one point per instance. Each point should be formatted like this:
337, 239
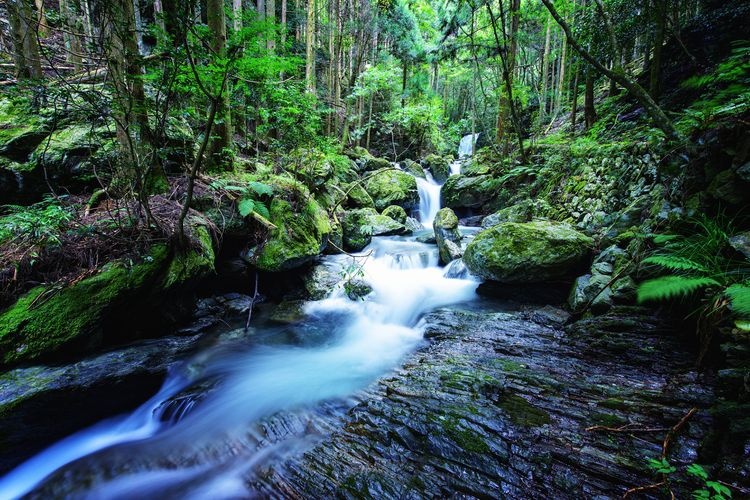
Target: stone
530, 252
461, 191
396, 213
413, 168
357, 289
393, 188
320, 280
439, 167
590, 290
743, 172
520, 212
447, 236
357, 197
741, 243
359, 226
372, 164
413, 225
725, 187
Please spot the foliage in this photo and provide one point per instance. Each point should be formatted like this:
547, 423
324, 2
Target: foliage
708, 489
252, 196
39, 225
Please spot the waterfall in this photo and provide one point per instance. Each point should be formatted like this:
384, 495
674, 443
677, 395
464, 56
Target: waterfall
466, 147
429, 199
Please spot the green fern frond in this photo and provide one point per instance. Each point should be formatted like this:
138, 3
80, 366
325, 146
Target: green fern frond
674, 263
671, 287
740, 297
660, 239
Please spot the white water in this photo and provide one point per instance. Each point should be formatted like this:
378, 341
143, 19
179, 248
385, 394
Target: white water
367, 339
466, 147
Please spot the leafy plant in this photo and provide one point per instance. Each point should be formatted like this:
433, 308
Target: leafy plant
40, 224
700, 265
708, 490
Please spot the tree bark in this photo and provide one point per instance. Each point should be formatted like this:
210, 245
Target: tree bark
223, 126
660, 14
23, 25
309, 47
589, 111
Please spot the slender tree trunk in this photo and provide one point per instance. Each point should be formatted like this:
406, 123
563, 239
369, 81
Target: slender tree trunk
309, 47
545, 72
23, 24
283, 25
589, 111
223, 128
271, 17
43, 27
574, 105
660, 14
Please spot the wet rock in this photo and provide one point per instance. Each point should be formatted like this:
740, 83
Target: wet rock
288, 312
447, 236
461, 191
357, 197
320, 280
372, 164
413, 168
520, 212
439, 167
413, 225
393, 188
300, 235
357, 289
727, 187
741, 243
396, 213
529, 252
41, 397
428, 238
743, 172
361, 225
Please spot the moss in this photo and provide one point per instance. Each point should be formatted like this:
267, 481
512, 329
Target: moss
396, 213
613, 404
47, 318
464, 437
529, 252
393, 188
523, 413
462, 191
509, 365
608, 420
192, 263
298, 238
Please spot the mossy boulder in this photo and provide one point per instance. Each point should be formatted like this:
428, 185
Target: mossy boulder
520, 212
439, 167
396, 213
447, 236
413, 168
361, 225
51, 319
530, 252
300, 236
393, 188
461, 191
371, 164
357, 197
21, 131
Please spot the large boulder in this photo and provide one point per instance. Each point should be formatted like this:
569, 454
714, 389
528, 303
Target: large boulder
393, 188
88, 313
299, 237
413, 168
361, 225
520, 212
21, 131
439, 167
357, 197
461, 191
447, 235
530, 252
396, 213
371, 164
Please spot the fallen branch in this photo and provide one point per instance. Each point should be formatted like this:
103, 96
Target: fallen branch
252, 303
625, 429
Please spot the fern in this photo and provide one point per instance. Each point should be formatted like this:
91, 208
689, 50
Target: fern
672, 287
739, 295
675, 263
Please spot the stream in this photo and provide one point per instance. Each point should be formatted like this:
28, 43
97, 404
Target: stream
209, 404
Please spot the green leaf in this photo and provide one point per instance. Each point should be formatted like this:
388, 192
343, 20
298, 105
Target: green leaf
697, 471
660, 239
702, 494
261, 209
674, 263
671, 287
246, 206
743, 325
740, 297
661, 466
719, 489
260, 189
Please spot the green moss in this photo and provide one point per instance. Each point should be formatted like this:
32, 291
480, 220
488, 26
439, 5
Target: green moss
393, 188
523, 413
396, 213
192, 263
613, 404
608, 420
298, 238
46, 319
464, 437
509, 365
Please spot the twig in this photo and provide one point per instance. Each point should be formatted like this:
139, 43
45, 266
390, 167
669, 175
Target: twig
639, 489
674, 430
252, 303
625, 429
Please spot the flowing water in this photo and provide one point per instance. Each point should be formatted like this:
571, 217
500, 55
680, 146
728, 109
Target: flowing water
198, 438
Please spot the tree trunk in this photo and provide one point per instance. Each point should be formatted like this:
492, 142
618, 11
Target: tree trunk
574, 105
660, 14
271, 17
545, 73
23, 24
589, 111
309, 47
223, 127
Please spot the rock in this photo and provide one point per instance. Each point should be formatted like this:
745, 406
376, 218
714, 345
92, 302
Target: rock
396, 213
589, 290
428, 238
320, 280
447, 235
357, 231
413, 168
461, 191
528, 252
439, 167
288, 312
357, 289
520, 212
335, 239
726, 187
372, 164
602, 267
393, 188
300, 236
413, 225
41, 397
21, 131
743, 172
624, 290
357, 197
741, 243
84, 315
